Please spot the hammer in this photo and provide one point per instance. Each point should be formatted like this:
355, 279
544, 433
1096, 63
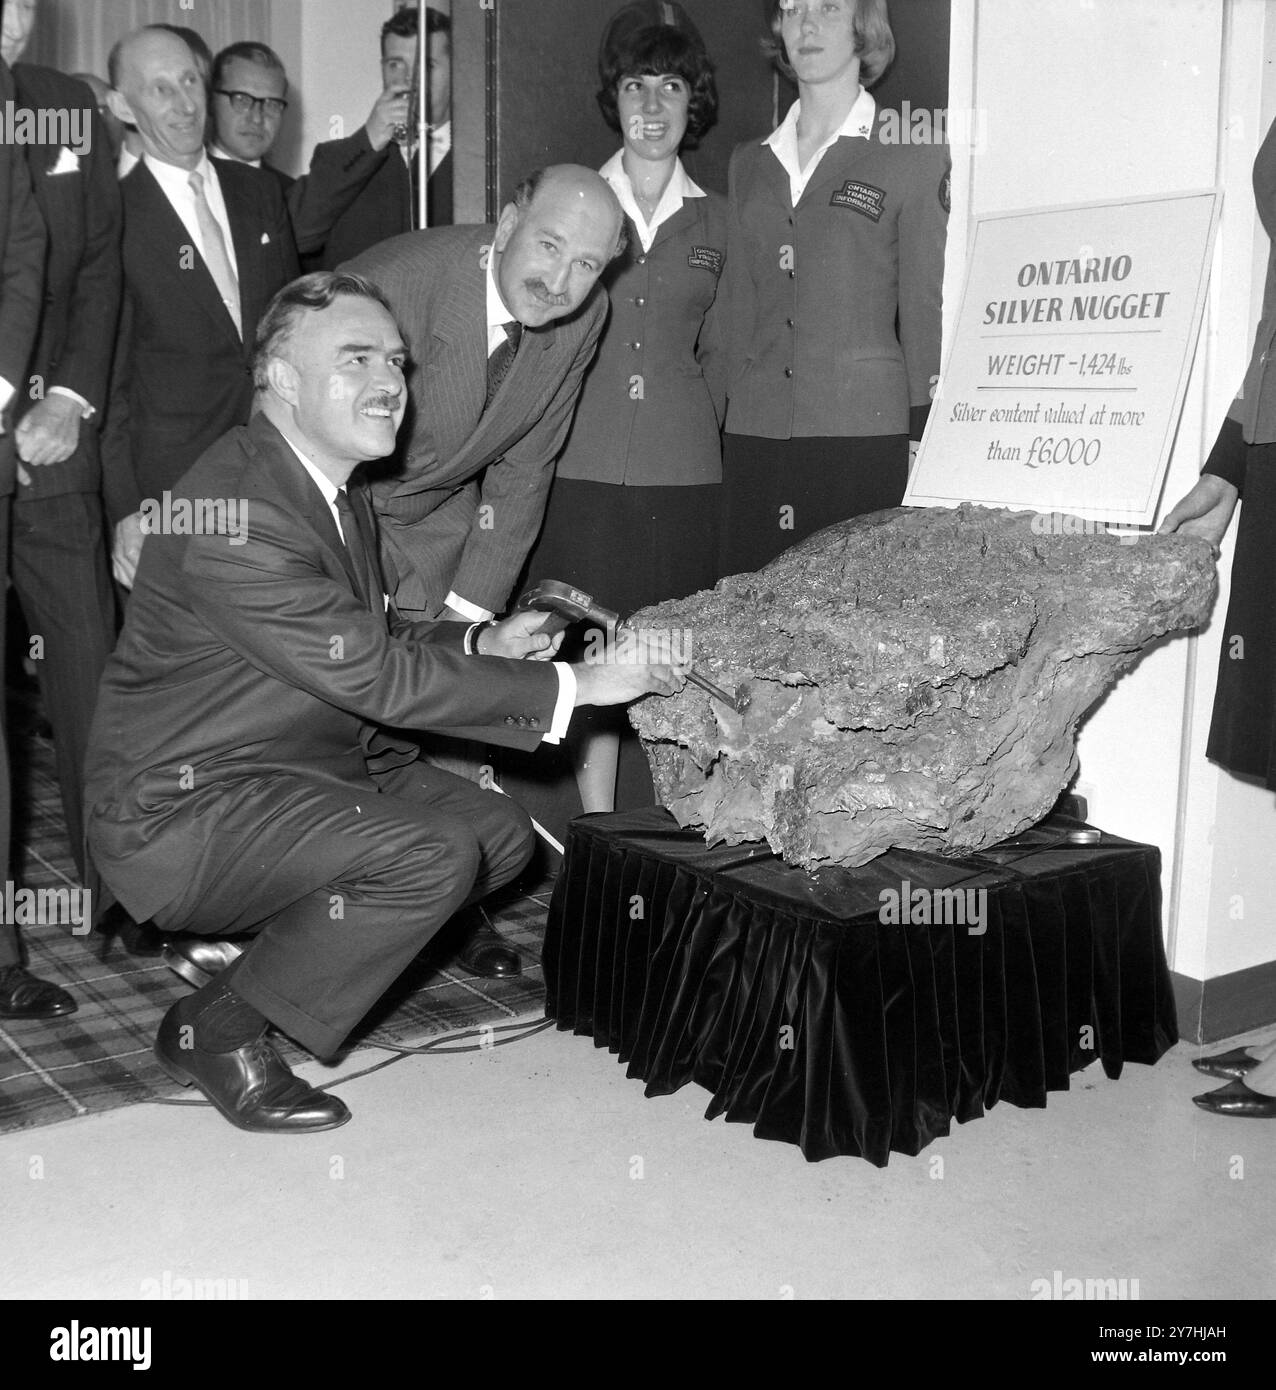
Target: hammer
565, 605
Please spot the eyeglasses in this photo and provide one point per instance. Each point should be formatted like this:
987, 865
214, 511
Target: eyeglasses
244, 102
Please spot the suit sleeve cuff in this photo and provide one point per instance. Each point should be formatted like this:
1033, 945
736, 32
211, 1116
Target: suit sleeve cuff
565, 704
87, 411
467, 609
1229, 455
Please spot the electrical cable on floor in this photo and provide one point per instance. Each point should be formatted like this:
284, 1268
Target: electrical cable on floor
435, 1045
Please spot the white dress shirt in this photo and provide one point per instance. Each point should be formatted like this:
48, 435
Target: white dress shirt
218, 153
784, 143
175, 181
680, 187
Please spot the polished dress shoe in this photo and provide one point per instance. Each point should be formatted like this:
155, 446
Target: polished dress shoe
197, 959
251, 1086
1236, 1098
22, 995
487, 953
1230, 1065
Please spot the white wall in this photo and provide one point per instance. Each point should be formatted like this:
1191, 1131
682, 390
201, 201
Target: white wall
1090, 99
333, 59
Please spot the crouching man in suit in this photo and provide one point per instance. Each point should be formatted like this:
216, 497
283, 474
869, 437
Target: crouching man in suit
239, 777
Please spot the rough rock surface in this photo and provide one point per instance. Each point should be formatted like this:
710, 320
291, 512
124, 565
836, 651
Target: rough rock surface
915, 678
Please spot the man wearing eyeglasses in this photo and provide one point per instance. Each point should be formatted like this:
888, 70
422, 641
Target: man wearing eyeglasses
250, 96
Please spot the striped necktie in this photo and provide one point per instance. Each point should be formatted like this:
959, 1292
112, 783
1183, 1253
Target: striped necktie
215, 256
498, 365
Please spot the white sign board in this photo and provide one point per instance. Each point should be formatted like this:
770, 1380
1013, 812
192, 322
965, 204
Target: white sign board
1065, 378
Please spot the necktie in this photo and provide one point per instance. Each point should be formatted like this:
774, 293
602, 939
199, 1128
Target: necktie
354, 541
499, 363
215, 256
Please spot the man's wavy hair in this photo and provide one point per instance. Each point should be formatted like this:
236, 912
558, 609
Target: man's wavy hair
310, 292
874, 41
653, 51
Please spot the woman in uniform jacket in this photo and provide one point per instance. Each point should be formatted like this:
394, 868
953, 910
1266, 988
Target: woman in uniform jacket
632, 515
1243, 729
833, 285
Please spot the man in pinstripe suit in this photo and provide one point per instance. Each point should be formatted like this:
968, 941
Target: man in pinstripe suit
461, 502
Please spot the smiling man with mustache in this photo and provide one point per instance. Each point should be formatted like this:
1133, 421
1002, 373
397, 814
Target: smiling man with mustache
461, 501
246, 775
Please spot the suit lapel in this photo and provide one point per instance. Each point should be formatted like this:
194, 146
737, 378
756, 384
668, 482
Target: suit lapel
687, 216
461, 326
157, 226
246, 232
840, 157
300, 495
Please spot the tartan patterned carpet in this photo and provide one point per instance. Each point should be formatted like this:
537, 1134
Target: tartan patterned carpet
100, 1058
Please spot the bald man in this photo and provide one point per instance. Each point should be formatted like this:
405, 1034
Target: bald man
461, 501
207, 243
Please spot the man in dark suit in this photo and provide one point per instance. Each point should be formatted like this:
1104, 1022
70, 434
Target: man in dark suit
59, 553
248, 93
206, 245
461, 502
249, 90
239, 779
22, 995
386, 160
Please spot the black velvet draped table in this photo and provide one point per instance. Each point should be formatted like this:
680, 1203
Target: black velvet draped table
805, 1015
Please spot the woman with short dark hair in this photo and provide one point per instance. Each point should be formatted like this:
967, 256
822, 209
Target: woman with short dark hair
633, 511
833, 291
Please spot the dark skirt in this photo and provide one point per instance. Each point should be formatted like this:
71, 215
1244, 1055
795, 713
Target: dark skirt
628, 546
1243, 730
776, 492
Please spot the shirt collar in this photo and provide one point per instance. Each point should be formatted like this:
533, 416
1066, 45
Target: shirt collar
322, 481
857, 125
680, 187
172, 178
218, 153
497, 313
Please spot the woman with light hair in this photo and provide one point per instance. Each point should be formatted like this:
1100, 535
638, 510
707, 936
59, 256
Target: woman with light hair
835, 257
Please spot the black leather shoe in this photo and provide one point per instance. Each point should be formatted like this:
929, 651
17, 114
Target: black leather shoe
1237, 1099
487, 953
251, 1086
139, 939
22, 995
1231, 1065
197, 959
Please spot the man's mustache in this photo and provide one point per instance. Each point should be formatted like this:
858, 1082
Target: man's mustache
538, 287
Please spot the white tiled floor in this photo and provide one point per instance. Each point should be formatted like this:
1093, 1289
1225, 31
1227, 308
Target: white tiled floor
538, 1169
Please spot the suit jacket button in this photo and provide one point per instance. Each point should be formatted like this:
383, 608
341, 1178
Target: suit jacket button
788, 371
534, 722
642, 260
509, 719
792, 274
640, 302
